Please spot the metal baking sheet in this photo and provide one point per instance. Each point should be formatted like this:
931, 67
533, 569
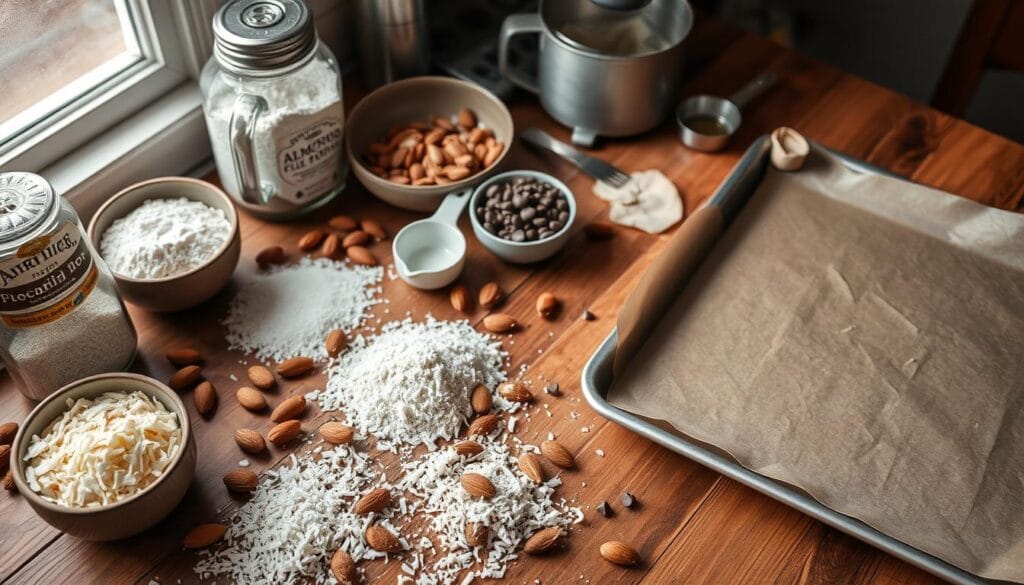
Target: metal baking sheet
597, 378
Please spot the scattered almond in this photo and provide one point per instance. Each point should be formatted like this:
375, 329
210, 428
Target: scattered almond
241, 481
477, 485
530, 465
481, 399
336, 343
381, 539
7, 432
343, 223
289, 408
477, 534
468, 448
250, 441
261, 377
542, 541
373, 501
205, 398
515, 391
331, 246
251, 399
499, 323
374, 229
183, 356
9, 484
361, 255
459, 297
336, 433
343, 568
5, 457
490, 295
599, 230
557, 454
284, 433
483, 425
619, 553
204, 535
184, 378
295, 367
270, 255
311, 239
356, 238
547, 304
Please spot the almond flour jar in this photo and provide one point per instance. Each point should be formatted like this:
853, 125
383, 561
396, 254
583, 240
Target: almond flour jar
61, 317
272, 100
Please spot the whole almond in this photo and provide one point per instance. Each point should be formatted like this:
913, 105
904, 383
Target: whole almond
204, 535
468, 448
483, 425
7, 432
477, 534
184, 378
183, 356
381, 539
599, 230
467, 119
619, 553
289, 408
459, 297
343, 568
477, 486
270, 255
205, 398
336, 342
499, 323
490, 295
542, 541
241, 481
547, 304
356, 238
311, 239
530, 465
515, 391
5, 457
481, 399
374, 229
331, 246
261, 377
361, 255
373, 501
284, 433
250, 441
9, 484
343, 223
295, 367
336, 433
251, 399
557, 454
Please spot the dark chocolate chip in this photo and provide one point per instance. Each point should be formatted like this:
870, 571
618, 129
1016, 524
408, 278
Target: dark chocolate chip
604, 509
588, 316
553, 389
628, 500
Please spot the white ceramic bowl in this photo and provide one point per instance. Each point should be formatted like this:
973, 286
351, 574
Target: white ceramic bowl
522, 252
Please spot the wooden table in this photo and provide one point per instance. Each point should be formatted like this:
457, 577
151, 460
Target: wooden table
693, 526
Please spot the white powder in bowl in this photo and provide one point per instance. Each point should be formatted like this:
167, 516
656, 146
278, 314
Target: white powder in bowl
164, 237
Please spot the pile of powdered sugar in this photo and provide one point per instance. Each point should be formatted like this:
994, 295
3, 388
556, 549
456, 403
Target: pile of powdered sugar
164, 237
411, 383
289, 310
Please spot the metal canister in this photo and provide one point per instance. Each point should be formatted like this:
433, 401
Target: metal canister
393, 41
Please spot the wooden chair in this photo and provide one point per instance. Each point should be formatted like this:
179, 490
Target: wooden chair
992, 37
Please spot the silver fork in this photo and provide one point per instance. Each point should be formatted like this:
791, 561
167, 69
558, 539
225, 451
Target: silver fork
594, 167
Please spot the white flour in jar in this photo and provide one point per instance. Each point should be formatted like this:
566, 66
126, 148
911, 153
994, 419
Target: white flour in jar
164, 237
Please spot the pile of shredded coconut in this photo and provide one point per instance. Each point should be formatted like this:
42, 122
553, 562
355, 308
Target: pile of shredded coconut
289, 311
411, 383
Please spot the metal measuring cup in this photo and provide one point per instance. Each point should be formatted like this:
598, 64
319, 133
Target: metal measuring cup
725, 113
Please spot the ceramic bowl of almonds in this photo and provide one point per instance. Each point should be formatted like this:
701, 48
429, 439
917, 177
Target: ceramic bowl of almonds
413, 141
171, 242
105, 457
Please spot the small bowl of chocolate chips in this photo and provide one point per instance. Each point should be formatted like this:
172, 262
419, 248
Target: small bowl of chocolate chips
522, 216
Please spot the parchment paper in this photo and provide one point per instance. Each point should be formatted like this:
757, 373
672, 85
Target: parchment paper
861, 338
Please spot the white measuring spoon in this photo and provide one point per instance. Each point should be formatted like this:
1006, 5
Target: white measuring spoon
430, 253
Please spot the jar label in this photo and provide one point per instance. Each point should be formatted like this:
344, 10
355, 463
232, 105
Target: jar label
47, 278
309, 155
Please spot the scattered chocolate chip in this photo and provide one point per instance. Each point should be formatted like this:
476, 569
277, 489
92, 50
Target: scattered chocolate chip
552, 389
588, 316
628, 499
604, 509
523, 209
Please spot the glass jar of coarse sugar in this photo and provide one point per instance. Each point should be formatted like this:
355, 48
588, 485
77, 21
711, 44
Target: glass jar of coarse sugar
273, 106
61, 317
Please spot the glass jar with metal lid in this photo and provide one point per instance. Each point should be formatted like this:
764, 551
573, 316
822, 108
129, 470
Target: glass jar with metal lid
61, 317
273, 105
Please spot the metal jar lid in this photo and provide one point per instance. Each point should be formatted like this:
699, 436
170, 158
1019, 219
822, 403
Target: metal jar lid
258, 35
26, 199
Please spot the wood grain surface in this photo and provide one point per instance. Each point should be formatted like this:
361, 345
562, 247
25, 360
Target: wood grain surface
692, 525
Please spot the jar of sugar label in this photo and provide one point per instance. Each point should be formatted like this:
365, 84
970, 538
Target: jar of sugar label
61, 317
273, 106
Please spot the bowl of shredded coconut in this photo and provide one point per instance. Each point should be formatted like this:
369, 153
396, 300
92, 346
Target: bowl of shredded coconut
171, 242
105, 457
